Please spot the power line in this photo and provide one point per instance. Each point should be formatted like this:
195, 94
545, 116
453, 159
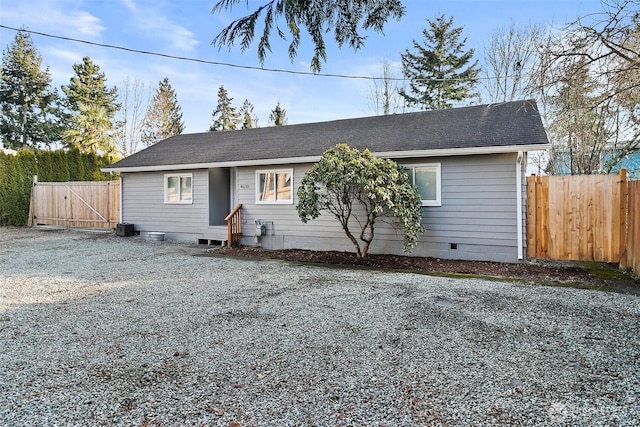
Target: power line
184, 58
224, 64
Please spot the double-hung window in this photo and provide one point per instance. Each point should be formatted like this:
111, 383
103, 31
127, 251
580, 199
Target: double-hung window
427, 177
274, 186
178, 188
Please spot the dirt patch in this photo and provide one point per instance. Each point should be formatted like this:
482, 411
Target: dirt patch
597, 276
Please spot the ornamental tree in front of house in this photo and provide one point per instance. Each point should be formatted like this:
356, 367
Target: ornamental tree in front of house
361, 190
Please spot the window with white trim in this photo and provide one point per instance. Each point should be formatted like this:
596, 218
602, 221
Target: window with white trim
274, 186
178, 188
427, 177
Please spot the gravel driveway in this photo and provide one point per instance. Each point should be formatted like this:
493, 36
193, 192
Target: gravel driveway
100, 330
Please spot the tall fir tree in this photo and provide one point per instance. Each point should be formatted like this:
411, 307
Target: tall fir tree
225, 116
92, 106
88, 129
440, 72
278, 116
31, 114
164, 116
249, 120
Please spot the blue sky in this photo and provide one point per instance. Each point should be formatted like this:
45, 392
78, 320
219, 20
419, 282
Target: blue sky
186, 28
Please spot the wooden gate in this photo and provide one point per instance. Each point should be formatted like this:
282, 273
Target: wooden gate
91, 204
577, 217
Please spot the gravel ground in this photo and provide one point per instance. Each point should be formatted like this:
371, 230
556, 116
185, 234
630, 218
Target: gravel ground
106, 331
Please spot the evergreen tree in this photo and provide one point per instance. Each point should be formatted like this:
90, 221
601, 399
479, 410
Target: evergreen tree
89, 85
225, 116
31, 116
440, 72
75, 166
16, 174
88, 130
342, 17
249, 120
61, 171
46, 166
92, 106
164, 116
278, 116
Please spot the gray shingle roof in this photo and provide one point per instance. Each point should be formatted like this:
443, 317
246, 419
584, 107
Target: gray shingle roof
508, 124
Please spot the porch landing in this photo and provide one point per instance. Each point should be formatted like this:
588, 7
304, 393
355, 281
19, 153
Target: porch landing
214, 235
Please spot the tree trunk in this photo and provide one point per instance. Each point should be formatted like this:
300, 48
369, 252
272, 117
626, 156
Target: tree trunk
353, 240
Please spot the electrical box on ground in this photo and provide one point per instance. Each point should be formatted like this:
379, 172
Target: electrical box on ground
125, 230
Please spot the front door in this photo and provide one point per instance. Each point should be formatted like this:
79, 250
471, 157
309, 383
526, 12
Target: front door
219, 195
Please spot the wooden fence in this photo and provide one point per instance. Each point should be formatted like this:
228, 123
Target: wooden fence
581, 218
633, 226
91, 204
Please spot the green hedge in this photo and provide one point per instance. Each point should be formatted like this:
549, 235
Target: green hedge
16, 177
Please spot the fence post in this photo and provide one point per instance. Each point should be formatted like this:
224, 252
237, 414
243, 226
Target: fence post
624, 208
531, 216
633, 226
34, 182
68, 207
542, 217
108, 216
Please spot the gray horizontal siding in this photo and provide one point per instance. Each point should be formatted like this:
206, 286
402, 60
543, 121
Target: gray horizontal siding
478, 214
143, 205
282, 218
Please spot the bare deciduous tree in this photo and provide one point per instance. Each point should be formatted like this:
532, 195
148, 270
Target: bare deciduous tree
508, 60
599, 55
134, 99
384, 97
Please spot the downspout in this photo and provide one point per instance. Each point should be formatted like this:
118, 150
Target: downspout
519, 203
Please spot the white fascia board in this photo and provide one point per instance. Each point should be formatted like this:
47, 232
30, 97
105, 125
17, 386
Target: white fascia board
312, 159
462, 151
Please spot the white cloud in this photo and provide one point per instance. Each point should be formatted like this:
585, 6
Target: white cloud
64, 55
84, 24
130, 4
150, 21
61, 17
180, 38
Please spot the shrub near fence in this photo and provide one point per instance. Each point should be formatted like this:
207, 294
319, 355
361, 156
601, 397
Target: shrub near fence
15, 186
16, 177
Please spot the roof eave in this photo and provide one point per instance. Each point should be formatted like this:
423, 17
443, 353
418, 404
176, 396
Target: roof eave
312, 159
469, 151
